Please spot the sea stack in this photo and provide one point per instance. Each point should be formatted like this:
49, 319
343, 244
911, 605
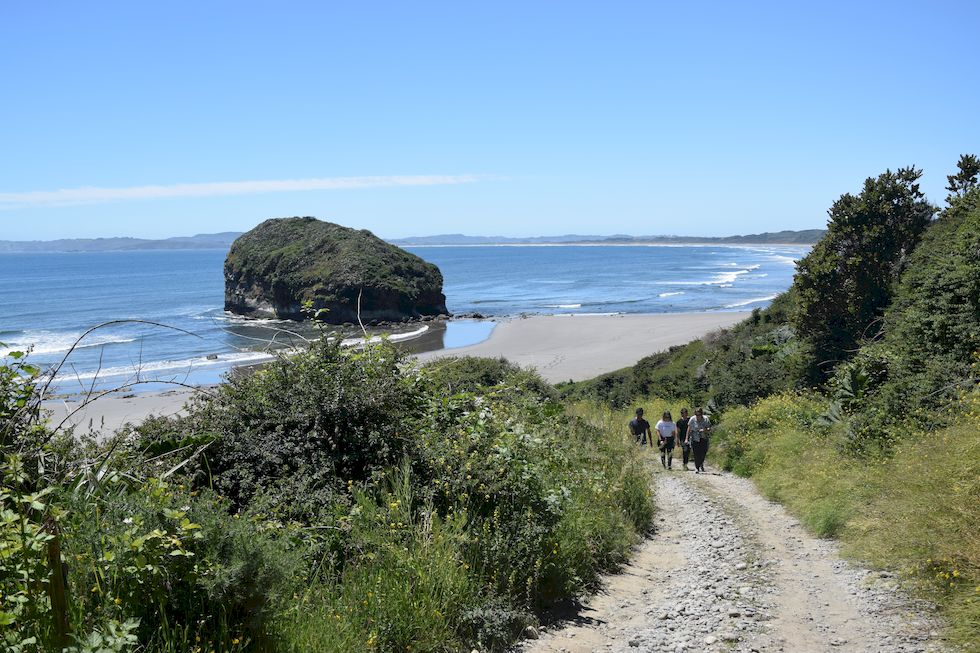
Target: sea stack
283, 264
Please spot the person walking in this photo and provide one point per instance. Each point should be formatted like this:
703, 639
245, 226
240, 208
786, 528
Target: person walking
698, 432
640, 429
682, 437
667, 432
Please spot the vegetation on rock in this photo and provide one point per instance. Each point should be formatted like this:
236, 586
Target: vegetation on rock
286, 267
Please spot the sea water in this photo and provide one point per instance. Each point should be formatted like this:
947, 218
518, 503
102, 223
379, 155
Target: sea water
182, 334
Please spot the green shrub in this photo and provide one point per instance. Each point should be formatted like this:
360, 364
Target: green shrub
406, 586
453, 375
297, 430
357, 504
848, 278
180, 564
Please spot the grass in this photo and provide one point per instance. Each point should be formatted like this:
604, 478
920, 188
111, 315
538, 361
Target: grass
915, 512
346, 503
419, 582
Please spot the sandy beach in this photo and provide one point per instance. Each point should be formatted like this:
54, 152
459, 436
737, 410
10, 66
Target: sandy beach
561, 348
578, 347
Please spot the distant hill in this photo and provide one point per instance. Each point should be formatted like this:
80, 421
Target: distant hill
805, 237
221, 240
224, 240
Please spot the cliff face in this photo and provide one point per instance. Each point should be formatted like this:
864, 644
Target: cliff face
272, 270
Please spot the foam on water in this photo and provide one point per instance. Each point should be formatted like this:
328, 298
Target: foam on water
754, 300
159, 369
53, 342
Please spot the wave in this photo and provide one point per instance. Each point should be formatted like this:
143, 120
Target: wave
754, 300
52, 342
175, 367
562, 306
241, 319
670, 294
394, 337
727, 277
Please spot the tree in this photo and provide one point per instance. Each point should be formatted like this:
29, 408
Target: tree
847, 279
966, 179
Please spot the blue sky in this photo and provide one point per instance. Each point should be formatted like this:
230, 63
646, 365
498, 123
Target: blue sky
510, 118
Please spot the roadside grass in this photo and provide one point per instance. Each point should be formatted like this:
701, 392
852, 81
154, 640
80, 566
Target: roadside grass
915, 512
338, 501
426, 579
406, 589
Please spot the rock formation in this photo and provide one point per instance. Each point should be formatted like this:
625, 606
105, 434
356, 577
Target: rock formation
282, 264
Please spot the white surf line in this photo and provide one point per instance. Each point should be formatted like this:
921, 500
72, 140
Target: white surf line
396, 337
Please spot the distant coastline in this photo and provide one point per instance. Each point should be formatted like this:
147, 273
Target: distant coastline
221, 240
598, 243
224, 240
786, 237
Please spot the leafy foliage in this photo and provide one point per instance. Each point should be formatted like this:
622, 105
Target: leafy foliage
301, 427
965, 179
931, 332
289, 261
454, 375
846, 281
339, 483
19, 405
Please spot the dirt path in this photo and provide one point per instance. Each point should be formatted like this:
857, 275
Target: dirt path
741, 576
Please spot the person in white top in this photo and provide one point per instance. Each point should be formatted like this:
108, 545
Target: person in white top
667, 431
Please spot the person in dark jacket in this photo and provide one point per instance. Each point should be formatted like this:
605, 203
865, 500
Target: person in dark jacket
682, 436
640, 429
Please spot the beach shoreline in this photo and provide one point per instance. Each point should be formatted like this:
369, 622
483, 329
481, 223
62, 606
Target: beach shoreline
569, 347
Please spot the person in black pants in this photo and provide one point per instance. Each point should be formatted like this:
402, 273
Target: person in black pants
667, 432
682, 436
640, 429
698, 432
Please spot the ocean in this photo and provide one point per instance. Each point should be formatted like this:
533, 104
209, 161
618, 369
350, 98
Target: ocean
50, 300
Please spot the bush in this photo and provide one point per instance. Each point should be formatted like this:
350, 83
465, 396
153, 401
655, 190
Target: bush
406, 587
847, 280
180, 564
347, 486
453, 375
298, 429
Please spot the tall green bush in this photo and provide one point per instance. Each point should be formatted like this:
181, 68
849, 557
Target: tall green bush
846, 281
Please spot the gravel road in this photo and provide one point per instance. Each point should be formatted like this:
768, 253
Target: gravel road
727, 570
